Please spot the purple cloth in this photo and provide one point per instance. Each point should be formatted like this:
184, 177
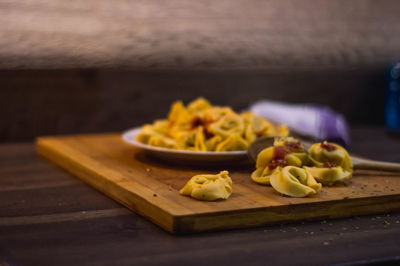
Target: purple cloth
311, 120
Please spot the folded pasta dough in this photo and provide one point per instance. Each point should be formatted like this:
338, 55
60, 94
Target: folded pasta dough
179, 119
263, 175
271, 160
249, 134
200, 104
212, 143
329, 175
257, 124
209, 187
203, 127
232, 143
214, 113
290, 143
231, 124
161, 141
146, 133
331, 162
294, 182
295, 147
322, 153
280, 130
193, 140
199, 141
176, 111
161, 126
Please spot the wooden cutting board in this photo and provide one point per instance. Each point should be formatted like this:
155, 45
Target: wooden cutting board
151, 188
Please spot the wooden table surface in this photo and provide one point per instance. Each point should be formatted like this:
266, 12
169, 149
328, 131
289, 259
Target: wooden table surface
206, 34
49, 217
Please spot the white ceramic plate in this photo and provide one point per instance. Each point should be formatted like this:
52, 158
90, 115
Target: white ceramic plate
177, 156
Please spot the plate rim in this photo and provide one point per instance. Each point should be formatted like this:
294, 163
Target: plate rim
129, 136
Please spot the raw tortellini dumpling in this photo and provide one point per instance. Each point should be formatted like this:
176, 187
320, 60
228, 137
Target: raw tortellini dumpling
209, 187
321, 153
293, 146
294, 181
271, 160
332, 163
329, 175
293, 171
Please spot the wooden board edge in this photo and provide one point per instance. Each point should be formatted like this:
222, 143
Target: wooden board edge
45, 150
182, 222
291, 213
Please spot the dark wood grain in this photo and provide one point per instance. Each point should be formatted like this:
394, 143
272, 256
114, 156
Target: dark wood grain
151, 188
52, 102
122, 55
87, 228
205, 34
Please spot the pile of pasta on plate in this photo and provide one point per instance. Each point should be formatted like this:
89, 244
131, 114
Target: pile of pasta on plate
201, 126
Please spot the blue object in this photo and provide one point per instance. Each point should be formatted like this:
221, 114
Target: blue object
392, 98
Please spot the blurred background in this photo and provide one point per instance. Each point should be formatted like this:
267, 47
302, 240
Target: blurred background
99, 66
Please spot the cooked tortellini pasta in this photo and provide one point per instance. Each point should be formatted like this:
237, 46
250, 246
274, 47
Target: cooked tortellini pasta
270, 160
331, 162
154, 135
209, 187
329, 175
293, 146
294, 182
228, 125
324, 152
232, 143
293, 171
203, 127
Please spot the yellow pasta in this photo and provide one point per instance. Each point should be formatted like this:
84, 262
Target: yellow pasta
269, 161
209, 187
203, 127
262, 176
324, 153
331, 163
198, 105
294, 182
215, 113
161, 141
147, 132
199, 141
257, 124
228, 125
177, 109
232, 143
293, 146
295, 172
329, 175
